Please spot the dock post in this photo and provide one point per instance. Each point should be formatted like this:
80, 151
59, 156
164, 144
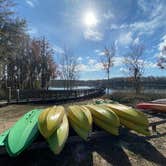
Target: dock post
18, 95
9, 94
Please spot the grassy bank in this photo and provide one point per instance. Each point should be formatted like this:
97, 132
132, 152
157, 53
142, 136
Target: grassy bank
130, 98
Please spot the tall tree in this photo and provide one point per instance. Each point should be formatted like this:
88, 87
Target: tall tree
16, 31
107, 59
68, 71
11, 29
36, 63
134, 63
48, 66
24, 62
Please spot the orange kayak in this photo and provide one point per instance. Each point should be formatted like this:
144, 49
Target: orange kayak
152, 106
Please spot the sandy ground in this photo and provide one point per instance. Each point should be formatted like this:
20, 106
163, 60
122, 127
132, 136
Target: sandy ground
127, 149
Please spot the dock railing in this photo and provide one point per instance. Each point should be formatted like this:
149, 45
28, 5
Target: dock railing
46, 95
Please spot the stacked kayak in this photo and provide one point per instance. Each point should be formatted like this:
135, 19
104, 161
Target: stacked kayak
156, 105
53, 124
105, 119
80, 119
22, 134
130, 117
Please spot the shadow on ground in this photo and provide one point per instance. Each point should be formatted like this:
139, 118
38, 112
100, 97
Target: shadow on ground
102, 151
140, 146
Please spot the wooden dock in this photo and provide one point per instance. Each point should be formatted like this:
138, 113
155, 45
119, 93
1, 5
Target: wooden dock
53, 96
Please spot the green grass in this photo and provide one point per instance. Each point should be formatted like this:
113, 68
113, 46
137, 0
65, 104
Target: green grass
130, 98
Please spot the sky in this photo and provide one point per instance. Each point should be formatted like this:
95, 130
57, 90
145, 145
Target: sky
87, 26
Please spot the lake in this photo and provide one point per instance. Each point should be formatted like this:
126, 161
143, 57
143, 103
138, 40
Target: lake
147, 90
144, 90
75, 88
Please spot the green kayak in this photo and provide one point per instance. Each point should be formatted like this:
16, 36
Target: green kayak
3, 137
22, 134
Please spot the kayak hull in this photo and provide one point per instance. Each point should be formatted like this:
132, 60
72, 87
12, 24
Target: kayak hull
152, 106
159, 101
22, 134
3, 137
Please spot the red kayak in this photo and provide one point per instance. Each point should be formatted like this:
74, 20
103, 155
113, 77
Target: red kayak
152, 106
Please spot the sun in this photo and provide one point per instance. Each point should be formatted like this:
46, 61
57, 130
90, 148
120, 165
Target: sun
90, 19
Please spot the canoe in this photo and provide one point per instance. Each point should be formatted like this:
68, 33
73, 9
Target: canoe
22, 134
3, 137
152, 106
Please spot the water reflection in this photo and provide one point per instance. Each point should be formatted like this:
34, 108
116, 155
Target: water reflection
77, 87
159, 91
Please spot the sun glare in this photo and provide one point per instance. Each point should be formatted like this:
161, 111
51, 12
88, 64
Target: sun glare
90, 19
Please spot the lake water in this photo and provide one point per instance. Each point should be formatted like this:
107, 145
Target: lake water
144, 90
113, 90
77, 87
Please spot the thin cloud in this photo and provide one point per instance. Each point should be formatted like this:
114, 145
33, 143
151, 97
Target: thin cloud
161, 45
125, 38
118, 61
99, 52
93, 35
32, 3
89, 67
152, 21
79, 59
58, 49
147, 7
108, 15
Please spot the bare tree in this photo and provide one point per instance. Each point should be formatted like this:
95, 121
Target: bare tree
69, 72
162, 60
107, 59
134, 63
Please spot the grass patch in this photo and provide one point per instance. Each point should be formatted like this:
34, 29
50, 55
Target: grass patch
132, 99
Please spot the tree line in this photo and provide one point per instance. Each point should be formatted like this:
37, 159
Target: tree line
133, 62
25, 62
28, 63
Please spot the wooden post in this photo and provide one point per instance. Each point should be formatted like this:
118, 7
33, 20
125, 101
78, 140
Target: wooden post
9, 94
18, 95
75, 93
154, 128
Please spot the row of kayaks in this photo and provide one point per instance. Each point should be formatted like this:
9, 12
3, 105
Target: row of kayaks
155, 105
53, 124
158, 105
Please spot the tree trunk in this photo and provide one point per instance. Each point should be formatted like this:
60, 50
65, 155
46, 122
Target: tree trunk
108, 78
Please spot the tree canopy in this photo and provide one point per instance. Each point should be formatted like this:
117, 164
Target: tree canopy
25, 62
